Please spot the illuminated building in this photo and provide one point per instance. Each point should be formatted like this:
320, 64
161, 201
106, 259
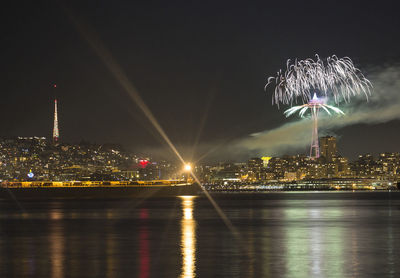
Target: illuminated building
265, 160
225, 176
228, 173
343, 167
328, 147
332, 170
290, 176
254, 166
278, 166
365, 166
388, 165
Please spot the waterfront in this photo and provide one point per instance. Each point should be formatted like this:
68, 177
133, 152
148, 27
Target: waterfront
290, 234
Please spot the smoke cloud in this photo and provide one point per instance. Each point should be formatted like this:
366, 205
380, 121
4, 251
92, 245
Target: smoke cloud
382, 106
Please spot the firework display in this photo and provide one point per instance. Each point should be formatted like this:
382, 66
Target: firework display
336, 78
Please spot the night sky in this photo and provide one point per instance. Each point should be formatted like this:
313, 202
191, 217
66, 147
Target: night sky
200, 66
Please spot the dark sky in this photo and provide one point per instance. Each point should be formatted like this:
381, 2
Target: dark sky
193, 62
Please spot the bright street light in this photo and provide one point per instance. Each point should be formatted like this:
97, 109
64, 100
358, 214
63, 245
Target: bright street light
188, 167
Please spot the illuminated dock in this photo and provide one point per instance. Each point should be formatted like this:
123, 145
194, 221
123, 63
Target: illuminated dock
68, 184
308, 185
96, 189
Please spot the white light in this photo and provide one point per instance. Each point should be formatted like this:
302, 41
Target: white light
188, 167
30, 175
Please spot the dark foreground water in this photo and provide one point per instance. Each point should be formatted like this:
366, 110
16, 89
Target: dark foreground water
280, 235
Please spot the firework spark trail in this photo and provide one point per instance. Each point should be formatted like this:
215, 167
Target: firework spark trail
315, 103
336, 77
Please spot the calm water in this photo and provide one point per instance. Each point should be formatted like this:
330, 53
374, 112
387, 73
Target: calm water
281, 235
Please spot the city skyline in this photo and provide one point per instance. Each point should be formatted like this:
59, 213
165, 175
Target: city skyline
41, 160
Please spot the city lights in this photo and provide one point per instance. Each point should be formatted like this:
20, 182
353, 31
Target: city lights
37, 162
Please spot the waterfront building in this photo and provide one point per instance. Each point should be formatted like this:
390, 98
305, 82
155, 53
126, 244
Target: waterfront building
344, 170
365, 166
254, 167
328, 147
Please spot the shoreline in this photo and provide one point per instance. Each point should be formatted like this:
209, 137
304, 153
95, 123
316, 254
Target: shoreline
144, 192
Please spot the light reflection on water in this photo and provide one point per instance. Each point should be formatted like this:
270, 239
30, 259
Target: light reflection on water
144, 249
188, 238
184, 237
313, 248
56, 245
110, 253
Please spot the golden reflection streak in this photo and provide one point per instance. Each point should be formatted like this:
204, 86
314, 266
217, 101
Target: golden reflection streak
110, 246
57, 245
188, 238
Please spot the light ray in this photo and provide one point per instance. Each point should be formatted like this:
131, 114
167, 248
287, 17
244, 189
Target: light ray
106, 57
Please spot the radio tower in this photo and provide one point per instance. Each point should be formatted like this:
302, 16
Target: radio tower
55, 127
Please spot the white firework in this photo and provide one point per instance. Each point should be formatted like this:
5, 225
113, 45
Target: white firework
314, 105
336, 78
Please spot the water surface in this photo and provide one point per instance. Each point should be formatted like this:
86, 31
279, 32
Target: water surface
280, 235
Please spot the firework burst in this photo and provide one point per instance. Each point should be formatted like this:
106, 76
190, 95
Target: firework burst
336, 78
314, 104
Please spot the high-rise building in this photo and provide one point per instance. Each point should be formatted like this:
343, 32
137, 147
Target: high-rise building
56, 134
254, 166
328, 147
